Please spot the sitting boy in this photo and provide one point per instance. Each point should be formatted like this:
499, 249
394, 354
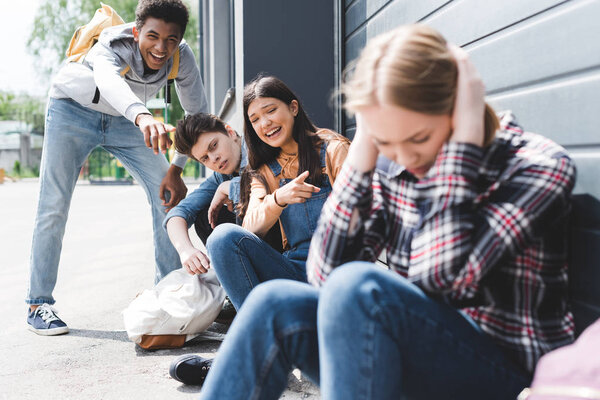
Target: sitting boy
210, 141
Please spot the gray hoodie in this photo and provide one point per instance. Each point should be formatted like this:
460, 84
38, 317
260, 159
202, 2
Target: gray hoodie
127, 95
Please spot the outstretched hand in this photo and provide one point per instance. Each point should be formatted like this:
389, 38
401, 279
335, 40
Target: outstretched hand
469, 106
156, 133
295, 191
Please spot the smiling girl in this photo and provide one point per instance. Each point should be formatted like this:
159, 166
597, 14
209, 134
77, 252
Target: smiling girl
293, 165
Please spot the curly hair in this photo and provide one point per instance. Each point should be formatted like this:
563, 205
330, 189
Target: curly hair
167, 10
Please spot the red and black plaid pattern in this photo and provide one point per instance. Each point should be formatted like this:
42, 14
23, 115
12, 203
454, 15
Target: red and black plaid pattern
485, 230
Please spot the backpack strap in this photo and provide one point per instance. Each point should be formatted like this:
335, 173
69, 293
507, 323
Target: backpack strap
96, 98
175, 68
172, 75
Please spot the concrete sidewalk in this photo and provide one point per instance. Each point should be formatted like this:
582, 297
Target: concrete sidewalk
107, 259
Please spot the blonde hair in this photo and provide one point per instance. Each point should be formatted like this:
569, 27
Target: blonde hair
411, 67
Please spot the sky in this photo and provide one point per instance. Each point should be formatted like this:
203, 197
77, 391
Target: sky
17, 72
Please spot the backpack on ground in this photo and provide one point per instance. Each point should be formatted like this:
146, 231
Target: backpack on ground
175, 310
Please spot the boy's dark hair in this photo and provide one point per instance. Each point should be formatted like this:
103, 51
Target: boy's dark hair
192, 127
167, 10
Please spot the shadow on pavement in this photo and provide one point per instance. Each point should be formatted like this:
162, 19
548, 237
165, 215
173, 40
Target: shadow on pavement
189, 388
121, 336
193, 346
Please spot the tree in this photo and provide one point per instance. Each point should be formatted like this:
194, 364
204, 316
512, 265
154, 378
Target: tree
6, 105
22, 108
31, 110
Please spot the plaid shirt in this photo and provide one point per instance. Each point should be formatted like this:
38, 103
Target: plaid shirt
484, 230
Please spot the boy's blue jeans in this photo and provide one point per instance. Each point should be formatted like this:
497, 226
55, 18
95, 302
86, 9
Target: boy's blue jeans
368, 334
72, 132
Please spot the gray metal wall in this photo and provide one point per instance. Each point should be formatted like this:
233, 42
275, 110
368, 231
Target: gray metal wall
539, 58
293, 40
217, 57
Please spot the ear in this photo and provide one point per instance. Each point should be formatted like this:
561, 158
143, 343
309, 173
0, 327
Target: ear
294, 107
230, 131
136, 34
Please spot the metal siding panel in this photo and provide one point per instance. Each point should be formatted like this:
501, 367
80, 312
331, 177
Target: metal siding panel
588, 177
401, 12
348, 2
354, 45
465, 21
355, 16
566, 111
543, 48
293, 41
374, 6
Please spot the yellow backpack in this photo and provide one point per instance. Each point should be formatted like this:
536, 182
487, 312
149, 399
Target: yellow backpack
87, 35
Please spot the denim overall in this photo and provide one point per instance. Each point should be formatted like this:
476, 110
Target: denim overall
300, 220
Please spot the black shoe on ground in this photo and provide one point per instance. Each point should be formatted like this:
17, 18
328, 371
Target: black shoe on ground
227, 313
190, 369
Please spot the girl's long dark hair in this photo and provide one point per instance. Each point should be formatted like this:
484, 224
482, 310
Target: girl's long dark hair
260, 153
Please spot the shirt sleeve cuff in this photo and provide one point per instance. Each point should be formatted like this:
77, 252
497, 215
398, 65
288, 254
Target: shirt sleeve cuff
134, 110
176, 212
459, 159
179, 159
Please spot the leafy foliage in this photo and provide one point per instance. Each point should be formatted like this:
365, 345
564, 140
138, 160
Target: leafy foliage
22, 108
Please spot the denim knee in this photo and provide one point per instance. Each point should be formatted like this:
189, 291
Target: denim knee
352, 287
225, 237
345, 281
278, 298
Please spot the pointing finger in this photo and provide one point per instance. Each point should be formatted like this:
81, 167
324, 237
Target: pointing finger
302, 177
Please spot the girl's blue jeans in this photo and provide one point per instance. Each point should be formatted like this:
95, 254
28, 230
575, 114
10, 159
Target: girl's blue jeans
367, 334
242, 260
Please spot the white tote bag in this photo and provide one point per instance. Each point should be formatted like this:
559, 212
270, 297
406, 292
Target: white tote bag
180, 304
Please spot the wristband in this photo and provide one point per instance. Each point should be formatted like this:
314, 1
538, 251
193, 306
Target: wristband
276, 202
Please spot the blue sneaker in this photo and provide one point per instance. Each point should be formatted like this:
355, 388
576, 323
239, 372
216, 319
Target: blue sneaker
44, 321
